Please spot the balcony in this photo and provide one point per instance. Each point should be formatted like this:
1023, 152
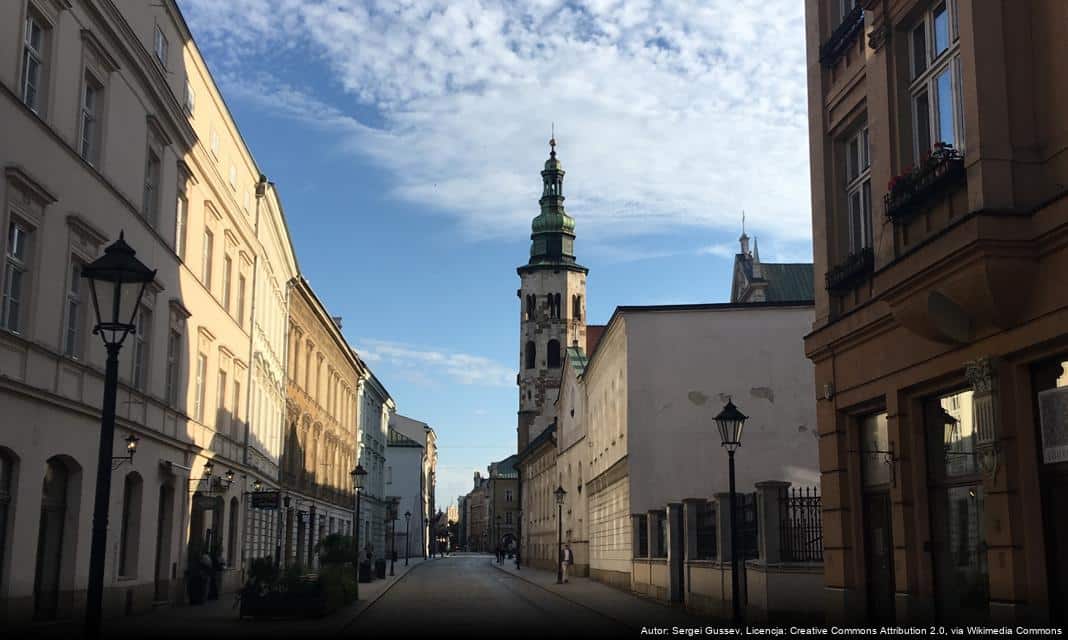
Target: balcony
915, 189
842, 38
855, 269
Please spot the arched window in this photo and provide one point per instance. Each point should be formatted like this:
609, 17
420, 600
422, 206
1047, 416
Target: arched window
130, 534
576, 307
554, 354
557, 309
532, 304
52, 539
549, 305
531, 352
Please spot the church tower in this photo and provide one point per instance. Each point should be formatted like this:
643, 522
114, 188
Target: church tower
552, 306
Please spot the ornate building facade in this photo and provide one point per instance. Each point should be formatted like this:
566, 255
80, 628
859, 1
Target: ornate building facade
939, 339
321, 440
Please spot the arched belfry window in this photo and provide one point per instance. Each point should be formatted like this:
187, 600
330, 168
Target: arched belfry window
528, 357
556, 305
532, 305
576, 307
554, 354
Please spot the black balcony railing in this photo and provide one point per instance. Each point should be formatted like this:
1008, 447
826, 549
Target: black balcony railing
843, 37
855, 269
911, 193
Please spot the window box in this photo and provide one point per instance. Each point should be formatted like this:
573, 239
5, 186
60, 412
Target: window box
911, 191
842, 38
855, 269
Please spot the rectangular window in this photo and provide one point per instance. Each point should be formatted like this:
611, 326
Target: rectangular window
233, 177
160, 47
508, 495
190, 98
33, 62
174, 363
202, 373
214, 144
858, 191
228, 265
206, 257
90, 125
72, 338
241, 299
235, 424
220, 418
142, 336
936, 90
151, 196
16, 275
643, 536
181, 221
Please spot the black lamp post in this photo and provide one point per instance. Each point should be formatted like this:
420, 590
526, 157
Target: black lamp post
407, 535
559, 493
358, 474
730, 422
117, 280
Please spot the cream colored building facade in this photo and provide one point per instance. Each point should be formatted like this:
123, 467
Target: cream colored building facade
375, 409
112, 124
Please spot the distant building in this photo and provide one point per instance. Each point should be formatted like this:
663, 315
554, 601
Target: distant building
756, 281
503, 495
421, 503
405, 459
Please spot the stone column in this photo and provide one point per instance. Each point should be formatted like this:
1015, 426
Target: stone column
676, 562
769, 512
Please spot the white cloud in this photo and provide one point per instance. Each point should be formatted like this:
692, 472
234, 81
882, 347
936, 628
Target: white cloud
669, 115
434, 367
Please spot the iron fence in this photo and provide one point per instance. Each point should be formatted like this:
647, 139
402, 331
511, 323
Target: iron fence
706, 530
800, 530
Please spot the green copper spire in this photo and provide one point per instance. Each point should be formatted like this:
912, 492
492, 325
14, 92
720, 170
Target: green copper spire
553, 231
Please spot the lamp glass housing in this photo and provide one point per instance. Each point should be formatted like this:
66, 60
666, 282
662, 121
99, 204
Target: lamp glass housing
358, 474
560, 493
730, 422
117, 281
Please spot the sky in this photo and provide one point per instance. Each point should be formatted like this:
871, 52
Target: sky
406, 139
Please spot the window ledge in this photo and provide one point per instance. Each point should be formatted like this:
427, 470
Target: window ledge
935, 179
856, 268
842, 37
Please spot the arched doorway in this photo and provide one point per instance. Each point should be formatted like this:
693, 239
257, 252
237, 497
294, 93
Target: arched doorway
53, 537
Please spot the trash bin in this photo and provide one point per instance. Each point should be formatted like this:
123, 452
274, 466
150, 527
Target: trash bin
365, 571
380, 568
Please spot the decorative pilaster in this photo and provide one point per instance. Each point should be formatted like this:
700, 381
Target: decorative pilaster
982, 377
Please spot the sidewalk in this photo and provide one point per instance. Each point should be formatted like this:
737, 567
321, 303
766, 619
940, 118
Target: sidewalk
219, 618
629, 609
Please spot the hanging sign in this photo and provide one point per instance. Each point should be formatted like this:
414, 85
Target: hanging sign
266, 499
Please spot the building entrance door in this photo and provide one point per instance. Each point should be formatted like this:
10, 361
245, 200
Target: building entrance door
879, 556
1055, 521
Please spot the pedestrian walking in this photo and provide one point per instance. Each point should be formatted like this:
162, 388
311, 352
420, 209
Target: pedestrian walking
567, 558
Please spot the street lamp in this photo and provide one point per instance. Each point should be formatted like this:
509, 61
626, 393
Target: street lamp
730, 422
358, 474
117, 280
559, 493
407, 535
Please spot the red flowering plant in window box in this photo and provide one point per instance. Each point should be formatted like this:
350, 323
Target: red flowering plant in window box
914, 187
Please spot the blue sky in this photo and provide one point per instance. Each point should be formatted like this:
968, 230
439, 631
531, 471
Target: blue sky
406, 138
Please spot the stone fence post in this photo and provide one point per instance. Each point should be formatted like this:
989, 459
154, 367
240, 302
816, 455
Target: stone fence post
769, 515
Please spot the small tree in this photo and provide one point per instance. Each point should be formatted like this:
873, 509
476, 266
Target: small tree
335, 549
